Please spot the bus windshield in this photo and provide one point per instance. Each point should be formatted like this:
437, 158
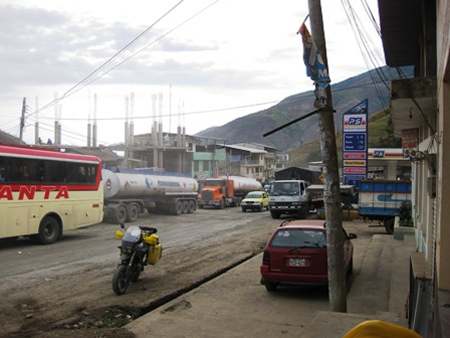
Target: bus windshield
285, 188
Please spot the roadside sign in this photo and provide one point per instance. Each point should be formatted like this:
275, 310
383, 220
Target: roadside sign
355, 156
355, 163
353, 179
355, 122
355, 170
355, 143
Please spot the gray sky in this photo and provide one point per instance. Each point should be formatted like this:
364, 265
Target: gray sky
236, 53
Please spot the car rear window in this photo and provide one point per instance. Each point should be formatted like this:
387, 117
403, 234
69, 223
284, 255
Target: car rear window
299, 238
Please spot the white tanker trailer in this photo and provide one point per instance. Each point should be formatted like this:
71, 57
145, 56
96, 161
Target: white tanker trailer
129, 194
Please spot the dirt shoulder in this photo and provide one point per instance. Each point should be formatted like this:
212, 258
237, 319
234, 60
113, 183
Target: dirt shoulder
81, 303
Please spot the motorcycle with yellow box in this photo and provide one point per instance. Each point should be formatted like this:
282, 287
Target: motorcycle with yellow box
139, 247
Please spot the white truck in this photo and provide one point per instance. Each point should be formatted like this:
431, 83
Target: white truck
128, 194
289, 197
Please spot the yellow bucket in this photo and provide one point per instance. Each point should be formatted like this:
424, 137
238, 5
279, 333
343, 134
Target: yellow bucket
154, 254
380, 329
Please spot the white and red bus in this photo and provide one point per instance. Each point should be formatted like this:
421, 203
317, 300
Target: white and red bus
44, 193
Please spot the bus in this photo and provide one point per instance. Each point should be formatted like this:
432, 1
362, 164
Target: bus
44, 193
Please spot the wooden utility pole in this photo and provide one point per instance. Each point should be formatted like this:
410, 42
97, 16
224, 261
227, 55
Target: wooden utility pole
333, 214
22, 117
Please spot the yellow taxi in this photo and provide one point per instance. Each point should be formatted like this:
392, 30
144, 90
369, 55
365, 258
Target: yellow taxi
255, 200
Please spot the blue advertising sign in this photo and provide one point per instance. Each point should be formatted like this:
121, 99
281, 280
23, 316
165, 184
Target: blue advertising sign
355, 141
353, 179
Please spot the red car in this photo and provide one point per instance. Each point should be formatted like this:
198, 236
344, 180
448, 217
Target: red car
297, 254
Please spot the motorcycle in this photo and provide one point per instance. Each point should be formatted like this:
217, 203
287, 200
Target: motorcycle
139, 247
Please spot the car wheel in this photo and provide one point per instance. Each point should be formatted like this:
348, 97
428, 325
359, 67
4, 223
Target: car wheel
275, 215
244, 210
270, 286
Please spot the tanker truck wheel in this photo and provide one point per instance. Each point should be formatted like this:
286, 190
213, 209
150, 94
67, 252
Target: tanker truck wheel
191, 207
132, 212
185, 207
178, 207
119, 214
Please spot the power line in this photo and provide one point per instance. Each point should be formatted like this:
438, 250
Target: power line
362, 46
68, 92
158, 39
140, 117
166, 115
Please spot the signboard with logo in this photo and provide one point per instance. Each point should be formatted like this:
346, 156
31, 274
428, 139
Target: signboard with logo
355, 143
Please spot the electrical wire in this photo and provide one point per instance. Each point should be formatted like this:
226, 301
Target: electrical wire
251, 105
366, 56
68, 92
155, 41
118, 118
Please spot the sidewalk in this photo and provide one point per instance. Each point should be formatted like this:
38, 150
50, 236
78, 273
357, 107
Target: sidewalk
237, 305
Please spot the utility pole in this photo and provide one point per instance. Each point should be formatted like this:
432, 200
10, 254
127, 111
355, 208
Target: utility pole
333, 214
22, 117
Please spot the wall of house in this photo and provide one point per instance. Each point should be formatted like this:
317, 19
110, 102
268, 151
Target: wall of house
443, 160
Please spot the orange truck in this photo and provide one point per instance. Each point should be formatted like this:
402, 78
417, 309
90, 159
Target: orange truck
225, 191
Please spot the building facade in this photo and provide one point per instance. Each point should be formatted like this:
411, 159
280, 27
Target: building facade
416, 33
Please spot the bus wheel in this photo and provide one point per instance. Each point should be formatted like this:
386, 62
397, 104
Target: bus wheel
49, 230
132, 212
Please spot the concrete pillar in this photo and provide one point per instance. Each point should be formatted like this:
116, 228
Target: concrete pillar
94, 127
89, 128
160, 135
36, 124
161, 159
391, 170
36, 133
55, 133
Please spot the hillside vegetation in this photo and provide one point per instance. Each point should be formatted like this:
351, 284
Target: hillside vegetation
346, 94
381, 135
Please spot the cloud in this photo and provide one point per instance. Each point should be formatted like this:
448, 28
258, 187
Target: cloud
201, 74
41, 47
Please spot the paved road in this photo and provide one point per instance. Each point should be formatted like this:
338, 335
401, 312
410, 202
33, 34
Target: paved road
23, 258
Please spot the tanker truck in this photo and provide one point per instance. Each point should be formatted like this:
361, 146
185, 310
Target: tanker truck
225, 191
129, 194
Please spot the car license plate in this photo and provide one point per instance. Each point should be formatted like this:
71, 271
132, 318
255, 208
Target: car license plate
297, 262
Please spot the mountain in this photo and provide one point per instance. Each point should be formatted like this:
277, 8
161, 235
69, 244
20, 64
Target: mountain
8, 139
346, 94
381, 135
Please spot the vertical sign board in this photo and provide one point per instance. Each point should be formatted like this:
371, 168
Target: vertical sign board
355, 143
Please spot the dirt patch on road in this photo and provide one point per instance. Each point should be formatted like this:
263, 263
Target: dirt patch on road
82, 304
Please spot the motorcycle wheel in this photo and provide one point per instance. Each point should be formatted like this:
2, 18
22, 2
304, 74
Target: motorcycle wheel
134, 276
120, 281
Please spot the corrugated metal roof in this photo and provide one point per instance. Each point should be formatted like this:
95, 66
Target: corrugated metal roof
250, 150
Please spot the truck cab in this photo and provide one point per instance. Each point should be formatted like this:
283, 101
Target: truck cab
289, 197
216, 192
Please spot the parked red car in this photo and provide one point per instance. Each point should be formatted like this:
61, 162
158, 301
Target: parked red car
297, 254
